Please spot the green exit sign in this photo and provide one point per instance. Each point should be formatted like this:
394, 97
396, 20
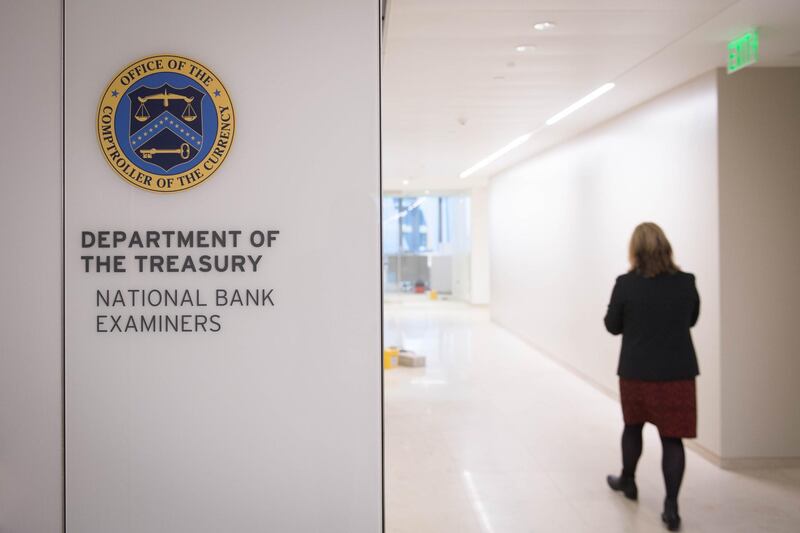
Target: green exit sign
743, 51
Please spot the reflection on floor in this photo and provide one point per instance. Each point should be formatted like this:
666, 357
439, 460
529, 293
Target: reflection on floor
493, 437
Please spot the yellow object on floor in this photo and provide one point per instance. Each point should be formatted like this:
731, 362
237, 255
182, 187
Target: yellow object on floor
391, 357
433, 295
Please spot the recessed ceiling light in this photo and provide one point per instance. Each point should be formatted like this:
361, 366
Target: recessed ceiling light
427, 191
546, 25
525, 48
406, 182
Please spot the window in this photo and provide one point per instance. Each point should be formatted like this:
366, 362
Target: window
415, 228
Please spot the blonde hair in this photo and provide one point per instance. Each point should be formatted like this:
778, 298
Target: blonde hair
650, 253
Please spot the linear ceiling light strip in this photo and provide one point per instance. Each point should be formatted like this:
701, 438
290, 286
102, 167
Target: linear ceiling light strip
519, 141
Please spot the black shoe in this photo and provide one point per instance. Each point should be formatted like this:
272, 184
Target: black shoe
625, 484
670, 515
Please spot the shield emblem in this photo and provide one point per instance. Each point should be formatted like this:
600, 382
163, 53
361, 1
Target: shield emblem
166, 124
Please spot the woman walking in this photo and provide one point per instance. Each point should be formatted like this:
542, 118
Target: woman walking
653, 306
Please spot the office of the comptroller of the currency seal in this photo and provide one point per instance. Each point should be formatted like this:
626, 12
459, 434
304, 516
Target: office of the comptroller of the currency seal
165, 123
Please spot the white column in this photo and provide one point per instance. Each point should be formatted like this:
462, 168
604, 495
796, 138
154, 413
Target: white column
272, 423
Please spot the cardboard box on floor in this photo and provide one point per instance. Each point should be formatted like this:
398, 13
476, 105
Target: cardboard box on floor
411, 359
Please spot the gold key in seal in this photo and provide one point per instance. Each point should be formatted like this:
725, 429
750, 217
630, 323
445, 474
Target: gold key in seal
183, 151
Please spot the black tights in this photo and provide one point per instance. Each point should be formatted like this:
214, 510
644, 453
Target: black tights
673, 460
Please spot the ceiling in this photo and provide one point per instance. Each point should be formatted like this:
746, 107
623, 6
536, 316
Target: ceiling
455, 89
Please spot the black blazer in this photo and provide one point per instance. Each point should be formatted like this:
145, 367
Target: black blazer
654, 316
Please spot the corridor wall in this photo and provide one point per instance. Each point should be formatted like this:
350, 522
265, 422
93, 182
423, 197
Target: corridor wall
715, 162
479, 252
30, 270
560, 224
268, 418
759, 195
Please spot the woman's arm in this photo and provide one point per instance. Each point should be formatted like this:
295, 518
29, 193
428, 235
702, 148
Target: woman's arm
696, 310
613, 318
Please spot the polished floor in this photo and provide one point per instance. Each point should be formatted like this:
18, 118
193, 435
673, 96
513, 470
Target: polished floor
493, 437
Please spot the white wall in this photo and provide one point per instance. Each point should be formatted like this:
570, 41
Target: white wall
560, 224
274, 423
479, 246
471, 247
30, 272
459, 247
760, 259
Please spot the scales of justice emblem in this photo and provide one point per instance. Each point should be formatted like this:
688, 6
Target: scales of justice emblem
166, 136
165, 123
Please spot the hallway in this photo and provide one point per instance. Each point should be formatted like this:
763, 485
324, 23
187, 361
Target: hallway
494, 437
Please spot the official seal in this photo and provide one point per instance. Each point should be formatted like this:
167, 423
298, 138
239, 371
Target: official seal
165, 123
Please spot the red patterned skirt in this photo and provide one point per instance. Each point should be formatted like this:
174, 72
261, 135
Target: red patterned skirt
671, 406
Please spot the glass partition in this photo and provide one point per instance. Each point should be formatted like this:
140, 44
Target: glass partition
421, 236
